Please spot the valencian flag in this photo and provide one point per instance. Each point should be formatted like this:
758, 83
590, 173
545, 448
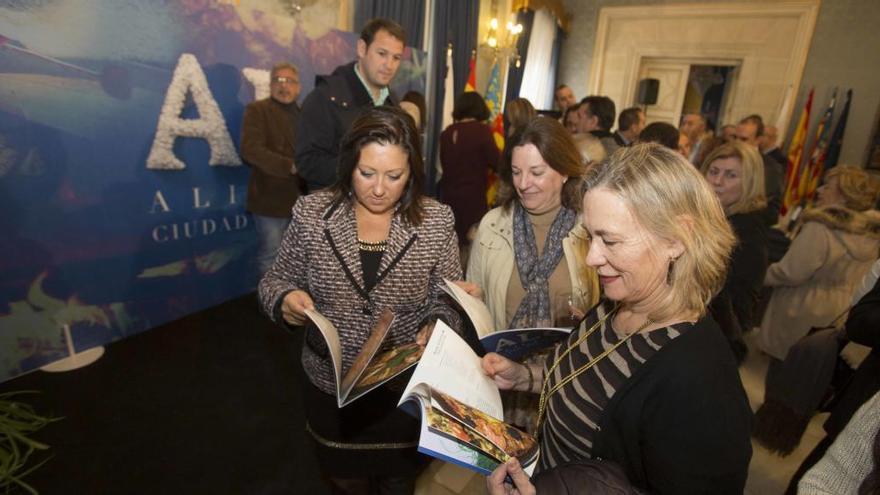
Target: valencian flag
494, 100
837, 138
813, 170
471, 84
795, 154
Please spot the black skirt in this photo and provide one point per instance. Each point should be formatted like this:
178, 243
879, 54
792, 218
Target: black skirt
369, 437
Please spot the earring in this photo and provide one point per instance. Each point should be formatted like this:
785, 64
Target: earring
669, 271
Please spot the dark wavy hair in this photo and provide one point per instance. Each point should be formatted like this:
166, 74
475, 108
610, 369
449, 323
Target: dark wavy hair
384, 125
470, 105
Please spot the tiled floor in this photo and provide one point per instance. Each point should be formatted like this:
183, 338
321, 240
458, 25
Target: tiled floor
768, 473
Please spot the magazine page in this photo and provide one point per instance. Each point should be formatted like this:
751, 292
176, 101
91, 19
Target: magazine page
370, 368
489, 435
331, 337
446, 439
476, 309
467, 431
383, 367
519, 343
451, 366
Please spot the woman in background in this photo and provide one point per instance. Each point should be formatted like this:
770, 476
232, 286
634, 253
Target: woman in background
815, 280
467, 154
735, 172
813, 286
517, 114
528, 255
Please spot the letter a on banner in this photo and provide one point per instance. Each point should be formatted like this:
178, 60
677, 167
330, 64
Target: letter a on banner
211, 126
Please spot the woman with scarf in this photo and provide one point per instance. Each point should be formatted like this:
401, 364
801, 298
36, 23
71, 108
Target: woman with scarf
528, 254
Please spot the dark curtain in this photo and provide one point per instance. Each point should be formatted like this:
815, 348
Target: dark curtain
455, 21
408, 13
514, 73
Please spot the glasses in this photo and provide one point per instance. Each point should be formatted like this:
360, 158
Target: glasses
285, 80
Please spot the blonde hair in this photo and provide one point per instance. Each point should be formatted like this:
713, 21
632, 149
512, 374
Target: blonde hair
668, 197
753, 195
590, 148
518, 113
859, 190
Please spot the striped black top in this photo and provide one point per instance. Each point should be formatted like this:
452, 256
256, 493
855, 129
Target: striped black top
574, 411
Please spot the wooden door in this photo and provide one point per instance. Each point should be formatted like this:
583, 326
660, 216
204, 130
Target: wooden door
673, 77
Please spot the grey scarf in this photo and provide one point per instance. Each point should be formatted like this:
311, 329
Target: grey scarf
534, 272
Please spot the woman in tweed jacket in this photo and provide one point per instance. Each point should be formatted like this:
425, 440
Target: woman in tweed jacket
370, 242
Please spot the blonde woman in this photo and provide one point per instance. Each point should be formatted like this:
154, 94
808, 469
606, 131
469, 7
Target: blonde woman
813, 286
646, 381
834, 248
735, 171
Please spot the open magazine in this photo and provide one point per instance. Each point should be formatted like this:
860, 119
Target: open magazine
370, 368
514, 343
461, 408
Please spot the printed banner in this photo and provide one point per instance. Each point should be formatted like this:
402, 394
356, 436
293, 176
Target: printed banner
121, 190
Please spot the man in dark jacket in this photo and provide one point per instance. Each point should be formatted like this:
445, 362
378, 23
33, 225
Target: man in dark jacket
596, 116
339, 98
749, 130
268, 137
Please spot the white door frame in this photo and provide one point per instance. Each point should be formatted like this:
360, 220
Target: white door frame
617, 60
727, 104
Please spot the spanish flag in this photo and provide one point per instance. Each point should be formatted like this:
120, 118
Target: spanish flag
795, 157
471, 84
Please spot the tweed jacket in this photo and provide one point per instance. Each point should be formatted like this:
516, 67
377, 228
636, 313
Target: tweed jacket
815, 280
320, 255
267, 140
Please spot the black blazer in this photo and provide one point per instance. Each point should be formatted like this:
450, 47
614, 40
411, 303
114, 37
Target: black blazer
327, 115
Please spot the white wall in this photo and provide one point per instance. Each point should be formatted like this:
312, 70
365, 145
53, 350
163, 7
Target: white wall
844, 52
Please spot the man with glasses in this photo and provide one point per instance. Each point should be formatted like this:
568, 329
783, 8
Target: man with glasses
268, 139
339, 98
749, 131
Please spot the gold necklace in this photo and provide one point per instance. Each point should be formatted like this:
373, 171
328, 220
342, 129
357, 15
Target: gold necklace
546, 393
373, 247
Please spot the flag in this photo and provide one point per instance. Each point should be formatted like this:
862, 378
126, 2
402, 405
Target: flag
813, 170
494, 100
833, 152
783, 111
449, 91
471, 84
795, 154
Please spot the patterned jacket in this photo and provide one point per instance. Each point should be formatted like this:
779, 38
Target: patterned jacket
319, 254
